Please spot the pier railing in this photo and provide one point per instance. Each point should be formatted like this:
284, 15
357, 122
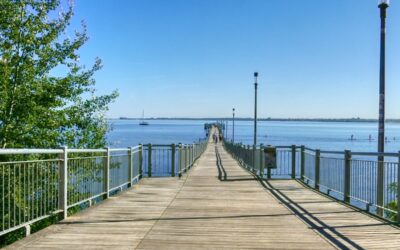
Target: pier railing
36, 184
355, 178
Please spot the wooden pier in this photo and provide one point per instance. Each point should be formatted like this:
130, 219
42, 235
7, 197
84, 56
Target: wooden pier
217, 205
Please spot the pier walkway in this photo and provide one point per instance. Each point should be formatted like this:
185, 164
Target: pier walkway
216, 205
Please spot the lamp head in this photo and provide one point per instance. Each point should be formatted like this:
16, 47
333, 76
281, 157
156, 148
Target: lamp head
255, 74
383, 3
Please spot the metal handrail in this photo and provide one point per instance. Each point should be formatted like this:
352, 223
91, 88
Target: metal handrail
354, 180
15, 151
38, 183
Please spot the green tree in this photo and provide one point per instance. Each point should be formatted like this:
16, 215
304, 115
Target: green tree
41, 109
38, 108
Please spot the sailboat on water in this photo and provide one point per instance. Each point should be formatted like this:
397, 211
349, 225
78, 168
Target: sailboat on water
143, 122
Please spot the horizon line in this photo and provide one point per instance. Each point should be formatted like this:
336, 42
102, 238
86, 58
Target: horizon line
250, 118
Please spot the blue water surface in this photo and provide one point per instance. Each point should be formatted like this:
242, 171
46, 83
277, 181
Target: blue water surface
127, 133
318, 135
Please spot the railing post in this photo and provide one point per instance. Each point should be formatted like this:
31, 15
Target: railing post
380, 186
140, 161
193, 153
269, 173
180, 160
186, 157
347, 175
317, 167
398, 188
173, 160
106, 174
149, 151
63, 183
190, 156
261, 161
293, 161
27, 230
253, 159
303, 162
130, 164
183, 158
248, 163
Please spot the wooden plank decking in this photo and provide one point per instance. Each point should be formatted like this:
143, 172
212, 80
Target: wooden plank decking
216, 205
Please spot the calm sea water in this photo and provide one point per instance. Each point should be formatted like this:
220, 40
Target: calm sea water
127, 133
319, 135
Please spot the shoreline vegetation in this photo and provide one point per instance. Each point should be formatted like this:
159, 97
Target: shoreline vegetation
262, 119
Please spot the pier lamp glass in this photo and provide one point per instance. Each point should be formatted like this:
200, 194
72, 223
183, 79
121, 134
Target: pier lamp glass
384, 2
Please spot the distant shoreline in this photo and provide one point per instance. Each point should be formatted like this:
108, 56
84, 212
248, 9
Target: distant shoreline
264, 119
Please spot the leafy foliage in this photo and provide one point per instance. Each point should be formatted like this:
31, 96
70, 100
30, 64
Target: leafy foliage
392, 205
38, 108
47, 100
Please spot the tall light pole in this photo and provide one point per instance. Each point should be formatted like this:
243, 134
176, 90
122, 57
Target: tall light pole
233, 125
255, 118
383, 5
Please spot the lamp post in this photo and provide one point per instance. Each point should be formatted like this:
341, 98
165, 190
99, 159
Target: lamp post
233, 125
383, 5
255, 118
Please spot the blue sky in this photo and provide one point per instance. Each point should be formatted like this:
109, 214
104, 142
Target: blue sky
196, 58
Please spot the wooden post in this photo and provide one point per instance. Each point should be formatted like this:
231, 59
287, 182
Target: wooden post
317, 167
149, 151
347, 175
293, 161
63, 183
130, 164
106, 174
303, 162
140, 161
173, 160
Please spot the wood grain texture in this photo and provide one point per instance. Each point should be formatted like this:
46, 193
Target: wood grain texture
343, 226
232, 213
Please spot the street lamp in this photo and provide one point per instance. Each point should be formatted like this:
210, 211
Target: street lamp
383, 5
233, 125
255, 117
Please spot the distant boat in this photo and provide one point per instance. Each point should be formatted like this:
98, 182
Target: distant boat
143, 122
